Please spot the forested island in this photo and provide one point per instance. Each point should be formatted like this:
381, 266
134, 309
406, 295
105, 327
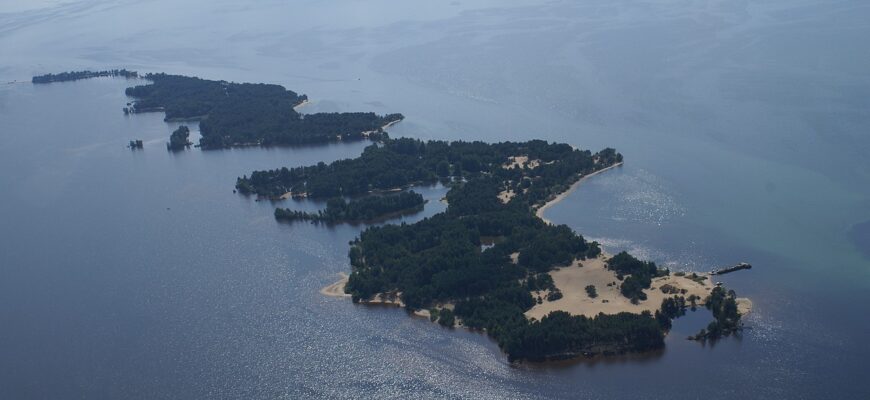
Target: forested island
237, 114
365, 209
489, 262
438, 266
77, 75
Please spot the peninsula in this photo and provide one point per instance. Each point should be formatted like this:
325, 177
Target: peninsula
522, 289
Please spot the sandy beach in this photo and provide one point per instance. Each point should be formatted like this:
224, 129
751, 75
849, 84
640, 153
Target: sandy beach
383, 128
300, 105
336, 289
540, 211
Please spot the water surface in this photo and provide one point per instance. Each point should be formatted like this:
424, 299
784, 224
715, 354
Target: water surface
140, 274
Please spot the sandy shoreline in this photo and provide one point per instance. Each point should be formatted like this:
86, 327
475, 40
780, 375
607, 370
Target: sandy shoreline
336, 289
302, 104
572, 281
540, 211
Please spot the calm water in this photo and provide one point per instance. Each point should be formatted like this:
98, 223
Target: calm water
141, 275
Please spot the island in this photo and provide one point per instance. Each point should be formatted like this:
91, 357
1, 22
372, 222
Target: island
243, 114
239, 114
178, 140
488, 262
77, 75
365, 209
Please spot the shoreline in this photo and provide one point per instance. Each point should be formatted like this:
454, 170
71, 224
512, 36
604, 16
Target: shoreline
561, 196
303, 103
336, 289
572, 280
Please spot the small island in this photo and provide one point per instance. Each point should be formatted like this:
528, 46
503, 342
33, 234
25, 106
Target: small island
365, 209
178, 140
244, 114
488, 262
78, 75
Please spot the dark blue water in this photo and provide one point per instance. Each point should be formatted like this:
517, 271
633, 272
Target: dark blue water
861, 237
141, 275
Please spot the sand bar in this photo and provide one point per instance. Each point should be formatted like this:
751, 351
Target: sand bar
336, 289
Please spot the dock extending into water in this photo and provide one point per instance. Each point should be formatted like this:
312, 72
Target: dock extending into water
737, 267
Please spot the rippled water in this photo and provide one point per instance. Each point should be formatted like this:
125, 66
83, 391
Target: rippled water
141, 275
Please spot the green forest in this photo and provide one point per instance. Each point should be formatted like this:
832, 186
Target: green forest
77, 75
440, 260
233, 114
178, 140
365, 209
397, 163
640, 274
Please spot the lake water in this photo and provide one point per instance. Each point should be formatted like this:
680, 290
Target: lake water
140, 274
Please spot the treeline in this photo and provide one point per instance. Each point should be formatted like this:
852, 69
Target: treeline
77, 75
234, 114
368, 208
397, 163
561, 335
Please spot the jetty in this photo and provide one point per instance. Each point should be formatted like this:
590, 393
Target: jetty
737, 267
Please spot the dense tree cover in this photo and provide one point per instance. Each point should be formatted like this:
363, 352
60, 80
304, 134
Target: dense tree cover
439, 260
561, 335
178, 140
77, 75
541, 281
724, 307
246, 113
671, 308
356, 210
400, 162
640, 275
